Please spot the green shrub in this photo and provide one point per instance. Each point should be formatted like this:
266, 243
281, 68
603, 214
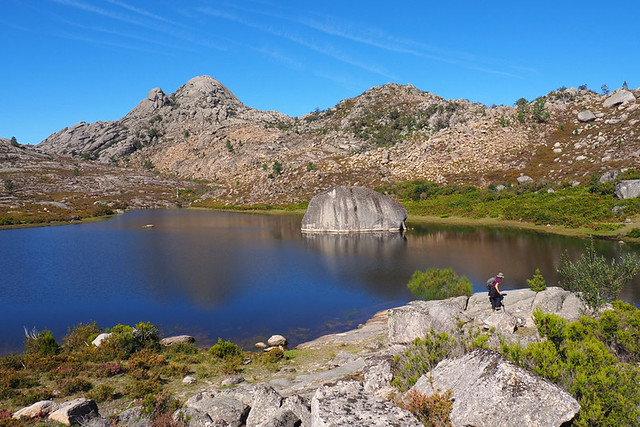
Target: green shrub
630, 173
550, 325
435, 284
41, 343
269, 359
311, 166
277, 167
581, 357
422, 356
71, 386
182, 348
597, 187
30, 396
139, 388
78, 336
178, 370
225, 350
101, 393
8, 185
127, 340
635, 233
537, 282
142, 362
157, 406
540, 112
594, 279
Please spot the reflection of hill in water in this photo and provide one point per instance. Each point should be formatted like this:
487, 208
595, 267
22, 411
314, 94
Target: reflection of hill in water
209, 257
369, 261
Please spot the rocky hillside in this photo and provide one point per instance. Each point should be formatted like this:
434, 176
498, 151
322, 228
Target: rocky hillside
389, 133
36, 187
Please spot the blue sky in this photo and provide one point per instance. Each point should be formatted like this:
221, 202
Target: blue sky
65, 61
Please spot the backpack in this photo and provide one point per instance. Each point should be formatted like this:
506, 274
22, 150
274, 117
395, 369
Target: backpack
491, 282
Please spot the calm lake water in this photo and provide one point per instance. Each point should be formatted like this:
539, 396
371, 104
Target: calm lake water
244, 277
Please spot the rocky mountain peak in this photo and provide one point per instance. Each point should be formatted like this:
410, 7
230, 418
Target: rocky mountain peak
204, 91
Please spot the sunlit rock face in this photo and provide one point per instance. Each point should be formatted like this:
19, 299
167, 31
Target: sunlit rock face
358, 209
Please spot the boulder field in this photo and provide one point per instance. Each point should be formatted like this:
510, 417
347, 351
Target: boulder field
353, 387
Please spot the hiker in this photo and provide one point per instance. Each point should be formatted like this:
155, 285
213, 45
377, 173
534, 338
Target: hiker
495, 295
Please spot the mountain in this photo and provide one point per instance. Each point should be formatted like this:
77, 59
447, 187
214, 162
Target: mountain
37, 187
387, 134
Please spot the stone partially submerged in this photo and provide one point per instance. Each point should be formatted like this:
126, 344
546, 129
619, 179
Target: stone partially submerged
358, 209
488, 390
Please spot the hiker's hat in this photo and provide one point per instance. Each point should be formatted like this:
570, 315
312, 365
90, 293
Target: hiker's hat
500, 275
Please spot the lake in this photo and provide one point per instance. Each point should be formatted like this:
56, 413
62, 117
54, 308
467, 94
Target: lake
244, 277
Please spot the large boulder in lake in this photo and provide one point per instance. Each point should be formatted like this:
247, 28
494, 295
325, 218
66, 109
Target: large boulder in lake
358, 209
488, 390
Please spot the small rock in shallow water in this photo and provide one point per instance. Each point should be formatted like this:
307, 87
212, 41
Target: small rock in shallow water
277, 340
179, 339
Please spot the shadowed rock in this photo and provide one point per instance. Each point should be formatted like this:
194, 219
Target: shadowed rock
220, 409
75, 411
618, 97
358, 209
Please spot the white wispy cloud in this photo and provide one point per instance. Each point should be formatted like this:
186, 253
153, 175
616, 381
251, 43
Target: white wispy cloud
373, 37
186, 34
139, 11
110, 43
150, 39
325, 49
98, 10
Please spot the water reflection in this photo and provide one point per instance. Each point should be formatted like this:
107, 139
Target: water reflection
244, 277
366, 260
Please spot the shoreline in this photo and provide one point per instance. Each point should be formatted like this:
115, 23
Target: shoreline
411, 219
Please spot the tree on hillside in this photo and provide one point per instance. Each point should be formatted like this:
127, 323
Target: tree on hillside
582, 87
605, 89
522, 107
14, 141
520, 102
625, 85
540, 112
563, 93
8, 185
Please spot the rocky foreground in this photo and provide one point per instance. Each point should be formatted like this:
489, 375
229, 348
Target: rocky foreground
354, 388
